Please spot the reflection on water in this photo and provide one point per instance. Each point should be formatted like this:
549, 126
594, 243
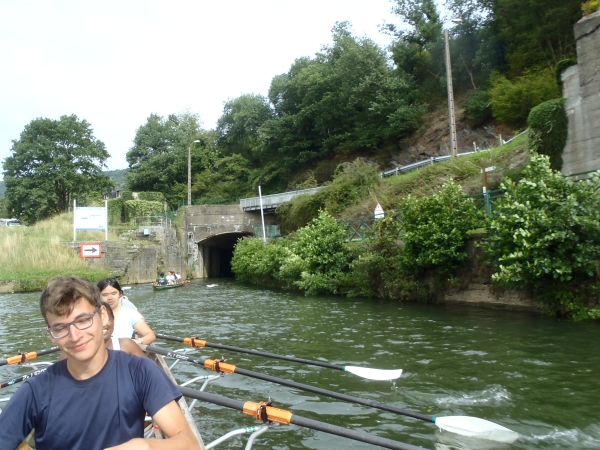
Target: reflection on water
532, 374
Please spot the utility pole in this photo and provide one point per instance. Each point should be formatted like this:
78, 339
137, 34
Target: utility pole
190, 172
453, 142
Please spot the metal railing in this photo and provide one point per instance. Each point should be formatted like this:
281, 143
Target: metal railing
435, 159
272, 201
152, 221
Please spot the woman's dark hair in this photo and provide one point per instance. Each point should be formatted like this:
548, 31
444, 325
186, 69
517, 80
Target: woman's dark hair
109, 310
102, 284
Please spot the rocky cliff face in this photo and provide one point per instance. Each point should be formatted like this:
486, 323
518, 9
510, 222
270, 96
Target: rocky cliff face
433, 139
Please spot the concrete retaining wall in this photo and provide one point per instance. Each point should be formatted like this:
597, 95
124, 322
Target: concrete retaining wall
581, 88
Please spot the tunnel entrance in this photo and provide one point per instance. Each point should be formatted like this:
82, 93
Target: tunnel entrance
216, 253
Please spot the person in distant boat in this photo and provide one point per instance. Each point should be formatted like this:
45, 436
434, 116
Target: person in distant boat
127, 321
96, 398
177, 277
124, 344
171, 277
161, 280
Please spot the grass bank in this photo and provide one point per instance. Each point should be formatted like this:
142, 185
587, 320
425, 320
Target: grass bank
465, 170
37, 253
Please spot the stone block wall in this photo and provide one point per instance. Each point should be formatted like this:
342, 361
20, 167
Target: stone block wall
139, 259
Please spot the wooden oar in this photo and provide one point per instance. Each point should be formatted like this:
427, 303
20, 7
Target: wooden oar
264, 412
364, 372
464, 425
20, 378
26, 356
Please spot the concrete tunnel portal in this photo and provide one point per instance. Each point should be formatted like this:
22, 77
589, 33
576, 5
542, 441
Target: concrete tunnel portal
216, 251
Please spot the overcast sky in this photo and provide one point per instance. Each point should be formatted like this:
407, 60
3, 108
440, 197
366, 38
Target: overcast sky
115, 62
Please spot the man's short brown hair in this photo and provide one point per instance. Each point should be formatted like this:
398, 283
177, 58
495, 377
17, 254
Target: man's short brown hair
61, 293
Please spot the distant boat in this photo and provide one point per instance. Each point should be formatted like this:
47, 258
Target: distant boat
211, 285
162, 287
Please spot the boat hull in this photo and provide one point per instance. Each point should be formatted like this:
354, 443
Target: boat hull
162, 287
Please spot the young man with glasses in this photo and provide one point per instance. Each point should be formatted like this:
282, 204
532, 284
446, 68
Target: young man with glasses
96, 398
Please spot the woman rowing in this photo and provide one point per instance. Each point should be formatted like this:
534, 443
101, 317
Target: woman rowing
127, 320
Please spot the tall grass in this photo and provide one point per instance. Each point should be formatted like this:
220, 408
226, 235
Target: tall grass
39, 252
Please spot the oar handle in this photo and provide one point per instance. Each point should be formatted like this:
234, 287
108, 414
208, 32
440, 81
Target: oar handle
26, 356
230, 368
301, 421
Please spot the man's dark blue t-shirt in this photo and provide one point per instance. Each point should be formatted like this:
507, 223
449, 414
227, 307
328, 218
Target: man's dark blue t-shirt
103, 411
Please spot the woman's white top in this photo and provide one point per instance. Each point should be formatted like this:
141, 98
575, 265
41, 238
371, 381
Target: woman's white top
116, 343
124, 301
125, 321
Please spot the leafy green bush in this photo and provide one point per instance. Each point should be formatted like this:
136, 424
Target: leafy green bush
376, 269
513, 99
548, 128
320, 256
312, 259
140, 208
435, 229
256, 263
152, 196
561, 66
478, 106
127, 195
544, 234
590, 6
115, 211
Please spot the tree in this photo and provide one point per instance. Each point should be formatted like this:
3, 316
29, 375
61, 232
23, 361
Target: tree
529, 33
53, 162
238, 127
347, 98
158, 158
419, 50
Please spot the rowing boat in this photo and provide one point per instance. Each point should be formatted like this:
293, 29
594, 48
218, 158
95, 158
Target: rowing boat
162, 287
182, 404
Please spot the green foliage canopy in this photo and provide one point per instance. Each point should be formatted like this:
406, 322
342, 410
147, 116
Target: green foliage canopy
546, 230
53, 162
435, 229
512, 100
313, 259
159, 156
347, 98
238, 126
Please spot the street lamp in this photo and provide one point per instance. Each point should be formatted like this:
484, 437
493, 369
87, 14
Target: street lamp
453, 142
190, 172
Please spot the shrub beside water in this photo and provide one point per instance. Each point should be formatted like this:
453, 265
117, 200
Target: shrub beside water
544, 235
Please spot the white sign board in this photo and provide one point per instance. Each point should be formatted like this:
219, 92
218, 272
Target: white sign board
90, 218
379, 214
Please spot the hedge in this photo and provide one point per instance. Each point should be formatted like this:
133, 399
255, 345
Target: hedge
548, 128
139, 208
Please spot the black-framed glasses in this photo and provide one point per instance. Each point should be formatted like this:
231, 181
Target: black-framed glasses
83, 322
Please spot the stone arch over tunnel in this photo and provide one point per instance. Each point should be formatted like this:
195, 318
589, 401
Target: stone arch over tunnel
215, 253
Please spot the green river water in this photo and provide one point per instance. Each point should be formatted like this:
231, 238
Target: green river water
533, 374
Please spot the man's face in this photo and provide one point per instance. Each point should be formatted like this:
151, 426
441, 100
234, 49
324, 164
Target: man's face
80, 345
